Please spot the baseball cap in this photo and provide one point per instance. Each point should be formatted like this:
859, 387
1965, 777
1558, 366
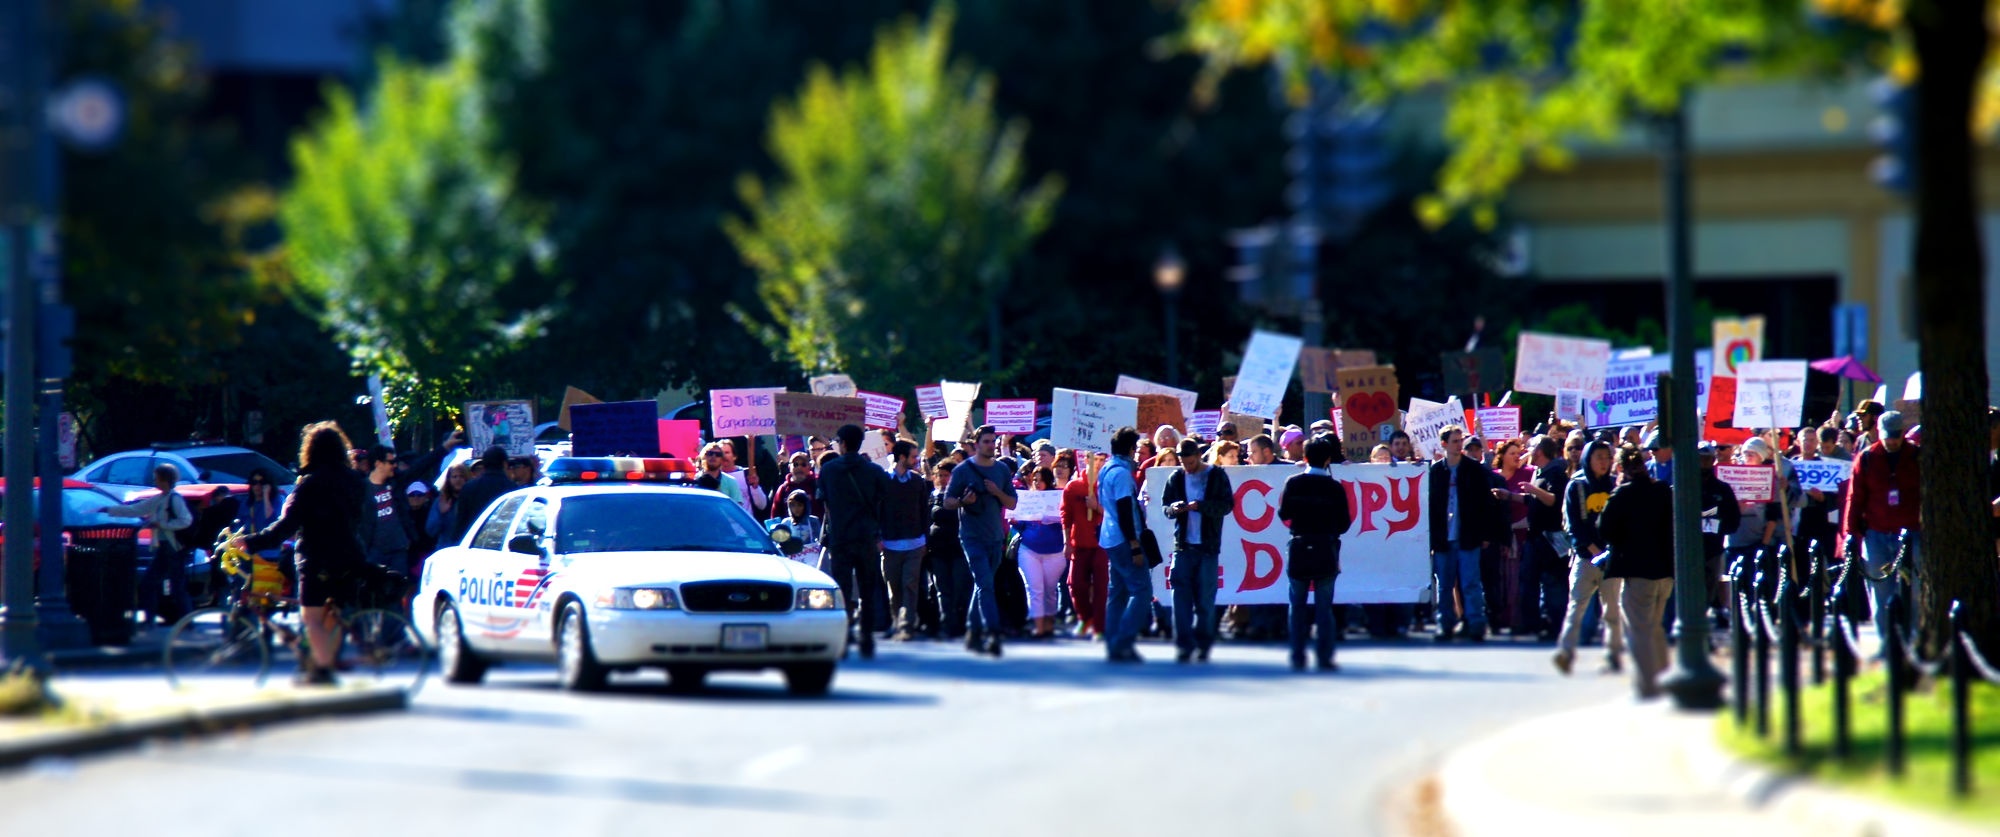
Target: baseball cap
420, 487
1654, 442
1892, 423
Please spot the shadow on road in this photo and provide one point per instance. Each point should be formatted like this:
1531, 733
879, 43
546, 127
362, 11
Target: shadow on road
1158, 672
725, 689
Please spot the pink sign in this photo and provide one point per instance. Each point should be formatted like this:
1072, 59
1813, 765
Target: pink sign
681, 437
1011, 415
883, 410
1498, 423
1752, 483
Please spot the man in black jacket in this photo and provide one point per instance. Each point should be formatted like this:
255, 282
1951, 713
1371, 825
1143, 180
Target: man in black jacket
481, 492
1638, 524
387, 531
905, 522
1463, 517
1315, 508
853, 488
1198, 499
1720, 514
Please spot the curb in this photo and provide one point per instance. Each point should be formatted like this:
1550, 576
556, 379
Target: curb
120, 734
109, 657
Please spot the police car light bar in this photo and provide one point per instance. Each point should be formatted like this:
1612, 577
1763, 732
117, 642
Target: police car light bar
572, 470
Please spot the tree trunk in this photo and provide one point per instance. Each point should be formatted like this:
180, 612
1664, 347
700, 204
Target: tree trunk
1950, 39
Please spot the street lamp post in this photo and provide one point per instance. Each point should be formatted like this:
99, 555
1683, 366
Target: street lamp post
1168, 274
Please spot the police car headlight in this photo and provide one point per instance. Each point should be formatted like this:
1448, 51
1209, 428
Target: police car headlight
644, 598
819, 598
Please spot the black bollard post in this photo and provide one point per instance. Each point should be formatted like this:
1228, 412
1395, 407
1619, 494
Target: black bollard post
1788, 664
1961, 709
1739, 646
1761, 660
1843, 675
1894, 655
1816, 588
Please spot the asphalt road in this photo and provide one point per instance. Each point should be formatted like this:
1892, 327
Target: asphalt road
1049, 740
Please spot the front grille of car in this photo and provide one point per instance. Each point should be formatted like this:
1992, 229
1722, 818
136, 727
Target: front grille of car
736, 597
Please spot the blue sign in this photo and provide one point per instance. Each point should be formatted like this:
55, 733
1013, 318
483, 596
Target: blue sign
1850, 330
622, 428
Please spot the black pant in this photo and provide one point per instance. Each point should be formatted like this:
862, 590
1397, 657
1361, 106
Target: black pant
1544, 587
858, 570
953, 583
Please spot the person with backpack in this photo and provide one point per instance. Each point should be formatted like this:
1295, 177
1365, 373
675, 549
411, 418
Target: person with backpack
163, 592
852, 486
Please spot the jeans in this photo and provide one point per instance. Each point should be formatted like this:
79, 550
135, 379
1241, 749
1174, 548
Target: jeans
857, 570
1878, 551
1641, 603
1585, 581
1456, 568
1544, 584
982, 559
1194, 581
1131, 594
1089, 575
1319, 619
902, 570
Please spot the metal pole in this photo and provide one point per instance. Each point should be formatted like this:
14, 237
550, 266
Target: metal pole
1318, 405
1694, 683
17, 620
1173, 298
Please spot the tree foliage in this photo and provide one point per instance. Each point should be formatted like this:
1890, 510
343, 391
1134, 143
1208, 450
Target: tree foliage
406, 238
902, 208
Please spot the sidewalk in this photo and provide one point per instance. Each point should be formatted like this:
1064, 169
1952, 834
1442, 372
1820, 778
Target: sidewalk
108, 713
1644, 769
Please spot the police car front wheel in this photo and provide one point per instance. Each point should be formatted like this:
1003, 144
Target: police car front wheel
576, 665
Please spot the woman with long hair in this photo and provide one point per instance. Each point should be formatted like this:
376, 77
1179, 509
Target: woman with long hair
444, 512
324, 511
260, 507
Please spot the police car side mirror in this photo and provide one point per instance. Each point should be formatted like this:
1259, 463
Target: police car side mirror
524, 544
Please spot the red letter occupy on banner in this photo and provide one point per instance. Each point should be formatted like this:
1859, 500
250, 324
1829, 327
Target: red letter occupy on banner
1251, 579
1260, 522
1374, 498
1405, 501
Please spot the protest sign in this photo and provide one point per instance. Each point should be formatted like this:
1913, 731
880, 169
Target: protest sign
1569, 404
681, 437
884, 411
1317, 370
958, 400
1128, 385
1499, 423
930, 401
1822, 474
1719, 422
509, 424
620, 428
1204, 423
1913, 387
1769, 393
1752, 483
742, 412
1631, 388
838, 386
1368, 409
1011, 415
1474, 372
1265, 373
1424, 426
572, 397
1384, 555
1156, 410
1549, 362
1737, 342
1086, 420
1034, 506
799, 414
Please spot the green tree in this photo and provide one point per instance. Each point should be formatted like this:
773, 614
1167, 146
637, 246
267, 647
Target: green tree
901, 211
407, 240
1523, 80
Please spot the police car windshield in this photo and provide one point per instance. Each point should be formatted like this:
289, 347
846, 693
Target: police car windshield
657, 522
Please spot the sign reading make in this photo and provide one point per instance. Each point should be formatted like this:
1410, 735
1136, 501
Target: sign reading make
743, 412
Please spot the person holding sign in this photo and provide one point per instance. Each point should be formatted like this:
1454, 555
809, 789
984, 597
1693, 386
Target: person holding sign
1315, 509
1089, 568
1819, 512
1041, 554
1198, 498
981, 489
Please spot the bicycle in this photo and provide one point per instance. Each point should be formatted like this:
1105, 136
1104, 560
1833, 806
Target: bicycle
378, 646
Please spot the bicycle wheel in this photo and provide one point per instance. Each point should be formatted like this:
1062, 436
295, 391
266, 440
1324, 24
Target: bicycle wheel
380, 647
217, 641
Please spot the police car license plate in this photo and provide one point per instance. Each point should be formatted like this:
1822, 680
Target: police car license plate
745, 637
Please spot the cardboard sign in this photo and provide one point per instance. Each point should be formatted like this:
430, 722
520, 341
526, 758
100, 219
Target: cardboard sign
1569, 404
1499, 423
837, 386
1086, 420
1631, 388
1037, 506
572, 397
1264, 375
1384, 555
1474, 372
1425, 426
798, 414
1737, 342
1770, 393
1367, 409
621, 428
1549, 362
681, 437
1011, 415
1822, 474
1204, 423
1128, 385
509, 424
1156, 410
883, 410
743, 412
1752, 483
1319, 369
930, 401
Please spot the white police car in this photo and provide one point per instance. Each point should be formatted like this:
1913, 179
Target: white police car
610, 565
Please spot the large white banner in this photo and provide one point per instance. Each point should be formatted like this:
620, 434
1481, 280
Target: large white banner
1631, 394
1384, 557
1264, 375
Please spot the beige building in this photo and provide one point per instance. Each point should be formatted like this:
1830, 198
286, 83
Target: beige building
1788, 223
